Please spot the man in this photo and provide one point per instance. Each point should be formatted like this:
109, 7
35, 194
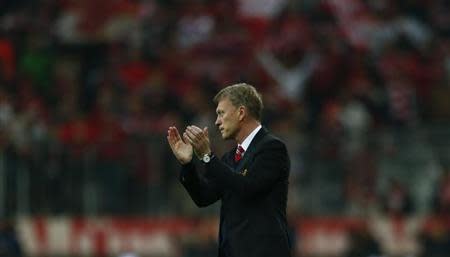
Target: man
251, 180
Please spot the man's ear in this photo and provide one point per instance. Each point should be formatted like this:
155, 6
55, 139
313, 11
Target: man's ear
242, 112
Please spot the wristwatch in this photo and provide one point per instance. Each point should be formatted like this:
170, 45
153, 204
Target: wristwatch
207, 158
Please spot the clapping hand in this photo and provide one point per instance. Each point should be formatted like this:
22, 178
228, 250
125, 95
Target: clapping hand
199, 140
182, 150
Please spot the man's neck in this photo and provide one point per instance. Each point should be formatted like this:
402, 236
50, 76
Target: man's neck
246, 129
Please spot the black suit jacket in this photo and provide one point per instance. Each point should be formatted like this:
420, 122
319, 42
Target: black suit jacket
253, 194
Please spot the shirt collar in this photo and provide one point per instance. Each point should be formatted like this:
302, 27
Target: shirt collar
246, 143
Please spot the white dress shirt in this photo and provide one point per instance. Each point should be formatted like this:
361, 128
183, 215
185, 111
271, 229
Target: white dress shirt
246, 143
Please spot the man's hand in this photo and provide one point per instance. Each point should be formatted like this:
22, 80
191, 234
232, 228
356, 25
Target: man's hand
199, 139
182, 150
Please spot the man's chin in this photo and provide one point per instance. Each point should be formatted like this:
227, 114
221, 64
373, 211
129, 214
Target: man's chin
225, 137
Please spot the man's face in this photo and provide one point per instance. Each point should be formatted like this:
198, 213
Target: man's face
227, 119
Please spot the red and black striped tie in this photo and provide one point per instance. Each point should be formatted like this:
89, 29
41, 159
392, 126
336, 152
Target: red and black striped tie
239, 153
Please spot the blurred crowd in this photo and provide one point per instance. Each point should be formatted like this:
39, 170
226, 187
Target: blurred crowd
358, 89
88, 89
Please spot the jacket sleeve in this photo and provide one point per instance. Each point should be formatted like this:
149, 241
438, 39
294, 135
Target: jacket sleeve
270, 164
202, 191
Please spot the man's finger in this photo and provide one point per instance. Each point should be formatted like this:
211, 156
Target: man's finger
187, 139
190, 129
187, 135
170, 136
171, 140
176, 133
195, 129
199, 133
191, 135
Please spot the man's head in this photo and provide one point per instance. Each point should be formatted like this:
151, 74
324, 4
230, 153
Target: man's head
238, 106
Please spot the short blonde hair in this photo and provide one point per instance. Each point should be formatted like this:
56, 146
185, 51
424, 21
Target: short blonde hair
243, 94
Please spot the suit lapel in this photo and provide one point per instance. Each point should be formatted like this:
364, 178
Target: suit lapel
251, 149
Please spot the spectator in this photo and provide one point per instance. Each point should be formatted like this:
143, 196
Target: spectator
441, 205
9, 242
397, 201
363, 244
436, 238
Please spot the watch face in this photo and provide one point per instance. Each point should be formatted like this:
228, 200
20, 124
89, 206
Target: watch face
206, 158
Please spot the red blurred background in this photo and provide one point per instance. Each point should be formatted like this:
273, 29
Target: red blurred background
358, 89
